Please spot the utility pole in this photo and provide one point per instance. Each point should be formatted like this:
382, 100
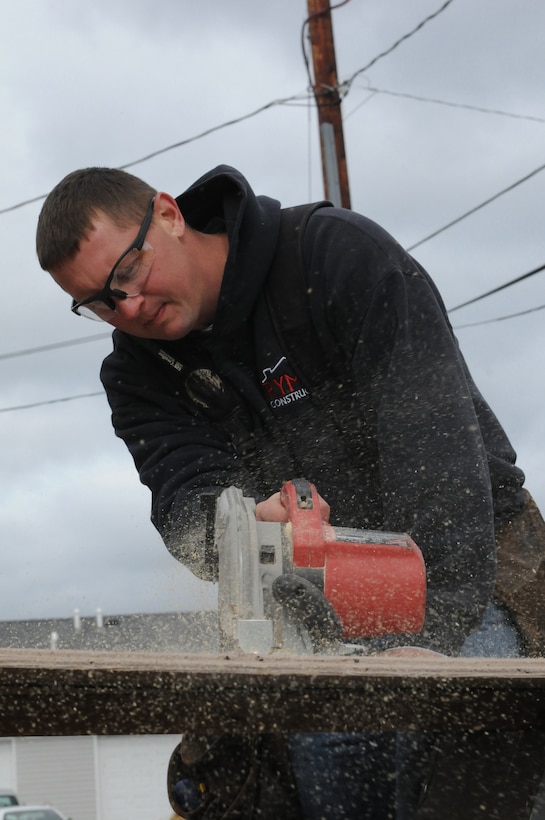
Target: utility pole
328, 101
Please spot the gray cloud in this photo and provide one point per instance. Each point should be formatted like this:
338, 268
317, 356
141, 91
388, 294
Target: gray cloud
109, 82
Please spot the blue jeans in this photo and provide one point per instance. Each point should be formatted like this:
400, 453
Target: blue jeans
355, 776
495, 638
345, 776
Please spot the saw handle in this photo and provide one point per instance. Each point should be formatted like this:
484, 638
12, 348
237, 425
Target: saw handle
300, 497
309, 531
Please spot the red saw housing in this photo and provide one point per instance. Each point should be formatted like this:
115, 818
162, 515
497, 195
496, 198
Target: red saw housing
375, 581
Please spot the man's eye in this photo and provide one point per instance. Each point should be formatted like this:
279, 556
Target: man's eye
126, 275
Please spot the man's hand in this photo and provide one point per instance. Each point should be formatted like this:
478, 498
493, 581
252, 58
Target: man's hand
273, 510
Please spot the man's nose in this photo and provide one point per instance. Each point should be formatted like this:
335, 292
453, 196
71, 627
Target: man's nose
129, 308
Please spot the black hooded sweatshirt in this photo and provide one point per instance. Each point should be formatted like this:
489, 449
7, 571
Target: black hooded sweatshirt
394, 435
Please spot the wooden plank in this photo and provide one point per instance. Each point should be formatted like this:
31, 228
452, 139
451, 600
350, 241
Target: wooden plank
77, 693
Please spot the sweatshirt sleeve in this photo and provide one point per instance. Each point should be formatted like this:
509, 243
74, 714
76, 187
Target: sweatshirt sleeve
184, 459
408, 375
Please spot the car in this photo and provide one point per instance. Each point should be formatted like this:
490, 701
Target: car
31, 813
8, 798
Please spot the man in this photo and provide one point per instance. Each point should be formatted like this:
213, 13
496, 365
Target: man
204, 392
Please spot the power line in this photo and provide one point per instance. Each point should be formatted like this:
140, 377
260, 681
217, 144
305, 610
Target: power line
153, 154
398, 43
55, 346
499, 318
500, 287
50, 401
467, 106
104, 335
477, 208
344, 87
99, 336
101, 392
214, 128
22, 204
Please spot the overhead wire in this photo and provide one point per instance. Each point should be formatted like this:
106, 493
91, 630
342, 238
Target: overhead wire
346, 85
101, 336
205, 133
499, 318
104, 335
54, 346
284, 101
211, 130
498, 288
477, 207
479, 108
51, 401
255, 112
397, 43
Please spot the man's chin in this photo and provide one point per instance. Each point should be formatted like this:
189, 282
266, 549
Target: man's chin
164, 326
165, 332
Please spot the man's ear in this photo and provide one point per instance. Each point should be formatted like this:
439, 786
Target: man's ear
168, 215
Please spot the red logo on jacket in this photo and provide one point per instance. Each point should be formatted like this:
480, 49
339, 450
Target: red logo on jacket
282, 387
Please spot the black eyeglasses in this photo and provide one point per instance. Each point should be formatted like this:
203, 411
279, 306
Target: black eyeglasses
127, 278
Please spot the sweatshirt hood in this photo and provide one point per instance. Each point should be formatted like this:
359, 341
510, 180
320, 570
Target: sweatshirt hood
223, 201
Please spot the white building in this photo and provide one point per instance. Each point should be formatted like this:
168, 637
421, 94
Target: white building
91, 778
114, 777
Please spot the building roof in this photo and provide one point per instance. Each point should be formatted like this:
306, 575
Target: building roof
153, 632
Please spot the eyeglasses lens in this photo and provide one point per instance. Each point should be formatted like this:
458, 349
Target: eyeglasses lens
98, 311
129, 279
132, 271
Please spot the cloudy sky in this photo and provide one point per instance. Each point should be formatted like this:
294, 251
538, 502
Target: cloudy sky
444, 122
